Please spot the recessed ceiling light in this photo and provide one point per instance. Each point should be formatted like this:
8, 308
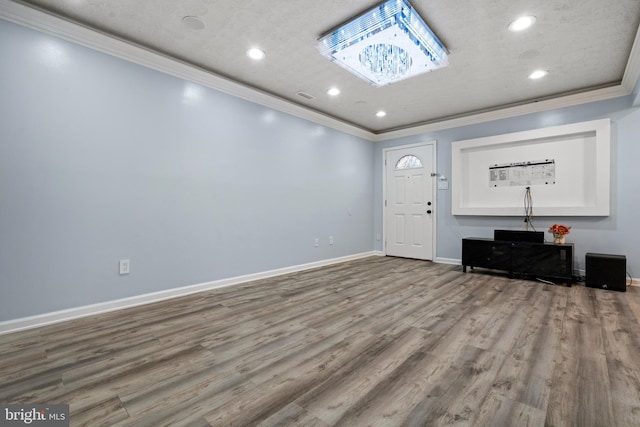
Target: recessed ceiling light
522, 23
334, 91
255, 53
381, 113
538, 74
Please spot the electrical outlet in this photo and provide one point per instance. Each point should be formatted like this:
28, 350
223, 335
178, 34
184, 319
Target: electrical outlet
125, 266
331, 240
316, 242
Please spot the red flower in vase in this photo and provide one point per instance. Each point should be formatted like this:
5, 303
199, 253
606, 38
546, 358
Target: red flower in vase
559, 230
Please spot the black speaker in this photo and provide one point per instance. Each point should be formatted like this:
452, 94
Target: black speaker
518, 236
606, 271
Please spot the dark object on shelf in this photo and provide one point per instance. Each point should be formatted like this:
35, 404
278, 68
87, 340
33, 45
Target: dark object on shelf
538, 260
606, 271
518, 236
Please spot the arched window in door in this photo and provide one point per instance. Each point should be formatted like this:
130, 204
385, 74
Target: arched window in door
408, 162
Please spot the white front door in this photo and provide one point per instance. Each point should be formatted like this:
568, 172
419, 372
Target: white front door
409, 202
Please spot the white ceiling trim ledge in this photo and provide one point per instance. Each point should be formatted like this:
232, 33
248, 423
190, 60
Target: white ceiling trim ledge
632, 71
50, 24
505, 113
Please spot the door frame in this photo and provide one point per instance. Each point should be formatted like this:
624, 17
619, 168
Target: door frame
434, 144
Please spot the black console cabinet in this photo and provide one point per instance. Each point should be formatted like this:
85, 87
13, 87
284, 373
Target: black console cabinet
544, 260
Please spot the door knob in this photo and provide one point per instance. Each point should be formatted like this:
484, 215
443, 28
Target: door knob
429, 211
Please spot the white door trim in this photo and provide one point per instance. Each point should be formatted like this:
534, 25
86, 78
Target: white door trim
434, 145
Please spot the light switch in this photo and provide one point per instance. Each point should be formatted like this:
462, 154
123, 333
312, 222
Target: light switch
443, 185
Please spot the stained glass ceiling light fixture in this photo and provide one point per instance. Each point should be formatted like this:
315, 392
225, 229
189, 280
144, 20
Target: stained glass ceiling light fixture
386, 44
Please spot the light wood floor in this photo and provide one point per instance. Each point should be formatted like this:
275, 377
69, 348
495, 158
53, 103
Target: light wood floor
378, 341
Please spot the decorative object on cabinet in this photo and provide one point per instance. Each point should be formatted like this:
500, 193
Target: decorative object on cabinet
559, 232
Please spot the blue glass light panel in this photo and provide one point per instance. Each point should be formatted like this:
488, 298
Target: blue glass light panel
394, 23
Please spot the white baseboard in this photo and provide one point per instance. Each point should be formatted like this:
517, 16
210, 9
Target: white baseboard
93, 309
31, 322
451, 261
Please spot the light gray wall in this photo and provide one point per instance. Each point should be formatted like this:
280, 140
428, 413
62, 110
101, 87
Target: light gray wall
101, 159
636, 94
615, 234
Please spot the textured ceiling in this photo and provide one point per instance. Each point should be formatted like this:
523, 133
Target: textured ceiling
585, 44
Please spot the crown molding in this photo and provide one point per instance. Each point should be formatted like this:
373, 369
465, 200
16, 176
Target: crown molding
505, 113
632, 71
44, 22
39, 20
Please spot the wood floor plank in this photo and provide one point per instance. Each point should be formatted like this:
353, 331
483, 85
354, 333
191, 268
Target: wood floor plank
379, 341
462, 404
292, 414
331, 401
446, 313
501, 411
465, 324
392, 399
581, 390
107, 413
453, 377
275, 388
528, 368
622, 350
189, 404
